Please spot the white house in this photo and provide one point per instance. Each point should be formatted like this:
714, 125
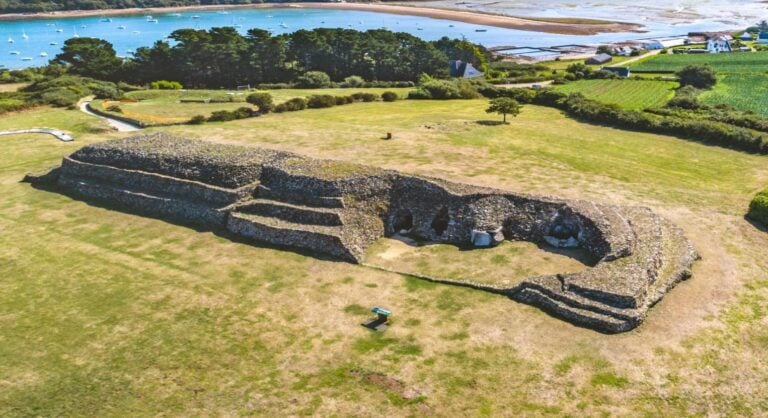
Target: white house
718, 44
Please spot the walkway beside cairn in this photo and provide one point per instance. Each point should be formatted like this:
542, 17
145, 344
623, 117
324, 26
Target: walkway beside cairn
118, 125
58, 134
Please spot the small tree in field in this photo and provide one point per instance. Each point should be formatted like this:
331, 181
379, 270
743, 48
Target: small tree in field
699, 76
504, 106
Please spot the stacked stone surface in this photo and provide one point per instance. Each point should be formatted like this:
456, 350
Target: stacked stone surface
339, 209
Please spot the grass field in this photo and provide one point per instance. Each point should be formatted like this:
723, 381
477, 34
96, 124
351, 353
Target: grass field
748, 92
751, 62
104, 313
630, 94
164, 107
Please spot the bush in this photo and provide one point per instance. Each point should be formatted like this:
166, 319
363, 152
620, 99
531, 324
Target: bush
365, 97
293, 105
60, 97
758, 208
685, 98
314, 80
342, 100
353, 81
275, 86
263, 101
389, 96
321, 101
698, 76
445, 90
226, 116
197, 120
165, 85
115, 109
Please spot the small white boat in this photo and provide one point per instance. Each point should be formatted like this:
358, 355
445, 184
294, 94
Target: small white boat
121, 27
481, 30
24, 35
269, 16
10, 40
419, 28
176, 14
83, 26
450, 26
27, 59
43, 54
15, 53
136, 32
149, 17
195, 17
283, 25
53, 43
223, 13
75, 35
59, 30
153, 21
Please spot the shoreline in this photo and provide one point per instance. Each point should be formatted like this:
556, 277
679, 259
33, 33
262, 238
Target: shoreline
472, 17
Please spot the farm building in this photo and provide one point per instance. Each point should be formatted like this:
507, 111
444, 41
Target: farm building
598, 59
620, 71
718, 44
762, 38
653, 44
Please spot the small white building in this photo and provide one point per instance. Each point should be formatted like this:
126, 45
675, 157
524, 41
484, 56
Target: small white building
719, 44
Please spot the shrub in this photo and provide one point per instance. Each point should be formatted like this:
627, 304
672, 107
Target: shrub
321, 101
115, 109
758, 208
197, 120
685, 98
226, 116
165, 85
60, 97
445, 90
365, 97
342, 100
353, 81
274, 86
314, 80
389, 96
263, 101
699, 76
293, 105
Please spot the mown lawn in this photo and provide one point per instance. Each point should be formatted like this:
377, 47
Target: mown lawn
629, 94
104, 313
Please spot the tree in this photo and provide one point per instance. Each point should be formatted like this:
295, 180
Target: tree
314, 80
763, 26
261, 100
90, 57
504, 106
699, 76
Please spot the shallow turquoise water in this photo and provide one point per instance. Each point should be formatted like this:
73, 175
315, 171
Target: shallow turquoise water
46, 36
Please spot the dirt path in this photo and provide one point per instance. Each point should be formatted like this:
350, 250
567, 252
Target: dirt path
119, 125
58, 134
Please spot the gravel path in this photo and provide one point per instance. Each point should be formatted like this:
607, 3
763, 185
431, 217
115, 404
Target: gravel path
119, 125
58, 134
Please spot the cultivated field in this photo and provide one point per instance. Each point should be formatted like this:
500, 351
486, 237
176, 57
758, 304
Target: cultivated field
104, 313
165, 107
630, 94
727, 63
748, 92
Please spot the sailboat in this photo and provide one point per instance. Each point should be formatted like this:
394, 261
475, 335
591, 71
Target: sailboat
15, 53
53, 43
43, 54
75, 35
10, 40
24, 35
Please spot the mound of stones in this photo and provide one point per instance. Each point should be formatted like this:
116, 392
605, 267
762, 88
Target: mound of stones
338, 209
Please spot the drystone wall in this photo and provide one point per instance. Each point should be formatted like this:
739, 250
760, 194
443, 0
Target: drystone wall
339, 209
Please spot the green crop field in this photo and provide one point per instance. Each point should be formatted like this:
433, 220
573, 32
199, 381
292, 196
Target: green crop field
630, 94
105, 313
745, 62
747, 92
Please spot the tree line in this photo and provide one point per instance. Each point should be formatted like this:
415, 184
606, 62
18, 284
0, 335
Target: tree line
222, 57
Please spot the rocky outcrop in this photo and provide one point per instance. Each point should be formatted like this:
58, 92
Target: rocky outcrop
339, 209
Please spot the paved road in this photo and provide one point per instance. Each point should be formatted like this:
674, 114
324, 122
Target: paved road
58, 134
119, 125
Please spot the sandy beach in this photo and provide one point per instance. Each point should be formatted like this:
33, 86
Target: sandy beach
564, 26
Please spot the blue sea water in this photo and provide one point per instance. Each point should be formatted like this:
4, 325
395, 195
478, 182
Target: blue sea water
37, 41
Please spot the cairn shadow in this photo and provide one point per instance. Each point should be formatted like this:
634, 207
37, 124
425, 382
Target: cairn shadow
219, 232
491, 122
759, 226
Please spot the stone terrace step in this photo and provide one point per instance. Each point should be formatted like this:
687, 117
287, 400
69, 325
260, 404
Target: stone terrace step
578, 316
316, 238
264, 192
291, 212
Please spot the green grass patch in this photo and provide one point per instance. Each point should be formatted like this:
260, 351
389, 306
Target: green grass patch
608, 379
629, 94
744, 91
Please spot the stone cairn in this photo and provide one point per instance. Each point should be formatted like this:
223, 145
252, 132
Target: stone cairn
338, 209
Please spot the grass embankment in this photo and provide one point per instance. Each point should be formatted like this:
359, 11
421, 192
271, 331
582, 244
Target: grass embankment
629, 94
163, 107
106, 313
742, 78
